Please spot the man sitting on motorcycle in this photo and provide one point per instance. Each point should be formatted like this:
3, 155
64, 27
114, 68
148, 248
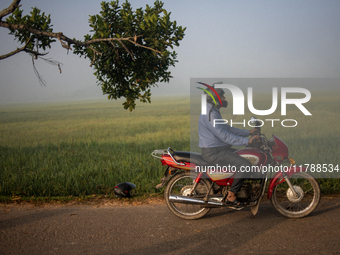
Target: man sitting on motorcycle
216, 143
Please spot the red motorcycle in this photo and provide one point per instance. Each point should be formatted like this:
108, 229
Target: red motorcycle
190, 193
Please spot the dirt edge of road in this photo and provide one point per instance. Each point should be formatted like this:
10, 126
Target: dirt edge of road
96, 202
103, 202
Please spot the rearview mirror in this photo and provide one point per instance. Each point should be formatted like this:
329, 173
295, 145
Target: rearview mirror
253, 120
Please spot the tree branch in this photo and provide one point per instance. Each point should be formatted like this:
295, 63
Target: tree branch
16, 51
65, 41
62, 38
140, 45
127, 50
9, 9
10, 54
35, 53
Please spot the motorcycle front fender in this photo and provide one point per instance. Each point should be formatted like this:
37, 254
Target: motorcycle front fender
278, 178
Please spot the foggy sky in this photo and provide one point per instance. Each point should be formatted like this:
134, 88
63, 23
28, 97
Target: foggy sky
239, 39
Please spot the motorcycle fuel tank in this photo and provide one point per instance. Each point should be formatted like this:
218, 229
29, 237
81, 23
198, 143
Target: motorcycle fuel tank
255, 156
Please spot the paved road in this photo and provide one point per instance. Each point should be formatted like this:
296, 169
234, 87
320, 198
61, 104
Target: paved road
152, 229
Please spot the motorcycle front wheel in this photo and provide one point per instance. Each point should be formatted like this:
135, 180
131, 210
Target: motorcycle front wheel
308, 191
182, 184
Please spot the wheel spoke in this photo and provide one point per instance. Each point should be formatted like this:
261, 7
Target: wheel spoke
182, 185
308, 192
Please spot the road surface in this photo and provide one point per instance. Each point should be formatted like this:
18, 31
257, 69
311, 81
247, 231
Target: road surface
109, 228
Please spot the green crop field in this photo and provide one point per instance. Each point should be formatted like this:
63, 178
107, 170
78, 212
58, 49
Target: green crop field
84, 148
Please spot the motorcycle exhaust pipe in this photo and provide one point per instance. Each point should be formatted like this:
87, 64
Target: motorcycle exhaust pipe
194, 201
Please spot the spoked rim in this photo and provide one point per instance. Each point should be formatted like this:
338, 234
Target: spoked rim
305, 189
183, 186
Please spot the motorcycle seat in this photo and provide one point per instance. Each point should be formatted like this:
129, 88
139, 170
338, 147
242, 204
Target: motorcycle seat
193, 157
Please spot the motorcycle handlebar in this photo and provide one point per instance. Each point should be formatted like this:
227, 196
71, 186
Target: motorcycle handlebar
257, 132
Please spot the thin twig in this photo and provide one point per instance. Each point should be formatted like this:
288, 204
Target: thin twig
64, 44
35, 53
95, 51
40, 78
140, 45
94, 59
127, 50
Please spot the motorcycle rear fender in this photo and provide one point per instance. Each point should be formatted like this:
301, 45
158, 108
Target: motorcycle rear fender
278, 178
169, 171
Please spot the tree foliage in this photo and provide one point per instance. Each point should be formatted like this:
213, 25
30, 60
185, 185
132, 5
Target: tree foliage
130, 51
36, 20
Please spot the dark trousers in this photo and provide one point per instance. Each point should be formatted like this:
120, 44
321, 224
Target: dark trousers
225, 156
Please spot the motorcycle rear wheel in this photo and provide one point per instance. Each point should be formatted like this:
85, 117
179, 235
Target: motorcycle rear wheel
182, 184
308, 191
